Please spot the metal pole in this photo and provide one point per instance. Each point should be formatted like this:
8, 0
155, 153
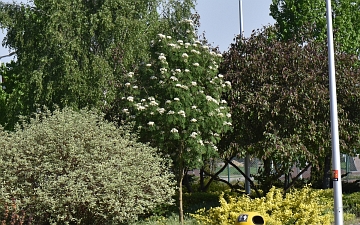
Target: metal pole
228, 170
241, 19
247, 173
247, 157
338, 206
347, 167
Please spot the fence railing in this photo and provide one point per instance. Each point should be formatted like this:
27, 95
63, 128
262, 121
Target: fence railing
350, 165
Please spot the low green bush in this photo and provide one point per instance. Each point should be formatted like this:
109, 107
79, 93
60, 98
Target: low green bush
70, 167
351, 203
198, 200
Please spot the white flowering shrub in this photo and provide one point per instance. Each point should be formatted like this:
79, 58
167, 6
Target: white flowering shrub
176, 98
75, 168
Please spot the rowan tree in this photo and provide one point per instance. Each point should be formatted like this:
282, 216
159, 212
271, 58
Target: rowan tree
176, 100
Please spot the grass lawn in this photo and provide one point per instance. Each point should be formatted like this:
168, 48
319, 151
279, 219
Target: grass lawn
172, 220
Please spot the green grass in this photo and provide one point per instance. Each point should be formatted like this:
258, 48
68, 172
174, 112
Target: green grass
171, 220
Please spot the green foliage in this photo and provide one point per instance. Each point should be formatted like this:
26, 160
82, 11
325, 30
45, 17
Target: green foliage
197, 200
3, 95
305, 206
74, 167
217, 187
176, 98
280, 101
297, 17
73, 53
351, 203
293, 17
11, 93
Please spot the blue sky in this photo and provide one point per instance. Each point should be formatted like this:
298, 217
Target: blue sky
220, 20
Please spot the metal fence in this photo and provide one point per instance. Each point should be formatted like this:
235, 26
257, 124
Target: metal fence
350, 165
350, 168
232, 174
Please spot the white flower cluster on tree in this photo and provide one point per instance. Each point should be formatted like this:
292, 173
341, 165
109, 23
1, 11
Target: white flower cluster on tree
179, 107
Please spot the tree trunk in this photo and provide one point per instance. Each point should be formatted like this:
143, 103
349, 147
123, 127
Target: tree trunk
187, 182
201, 179
212, 178
286, 180
267, 179
327, 172
246, 177
181, 210
181, 170
296, 178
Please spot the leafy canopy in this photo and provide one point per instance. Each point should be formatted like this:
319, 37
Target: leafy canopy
176, 99
74, 167
308, 17
280, 100
74, 53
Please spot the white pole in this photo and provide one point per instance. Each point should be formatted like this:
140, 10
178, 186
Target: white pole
241, 19
338, 206
247, 157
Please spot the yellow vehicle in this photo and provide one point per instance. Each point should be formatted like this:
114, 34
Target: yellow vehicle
250, 218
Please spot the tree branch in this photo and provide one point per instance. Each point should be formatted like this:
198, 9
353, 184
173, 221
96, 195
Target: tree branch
4, 56
213, 177
252, 184
296, 178
233, 187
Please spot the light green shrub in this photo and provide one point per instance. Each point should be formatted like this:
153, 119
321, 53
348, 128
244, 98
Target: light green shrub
305, 206
75, 168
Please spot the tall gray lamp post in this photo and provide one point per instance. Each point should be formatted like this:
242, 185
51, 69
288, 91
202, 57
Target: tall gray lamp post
338, 206
247, 157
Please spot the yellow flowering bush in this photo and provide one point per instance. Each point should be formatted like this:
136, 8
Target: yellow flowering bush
299, 206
